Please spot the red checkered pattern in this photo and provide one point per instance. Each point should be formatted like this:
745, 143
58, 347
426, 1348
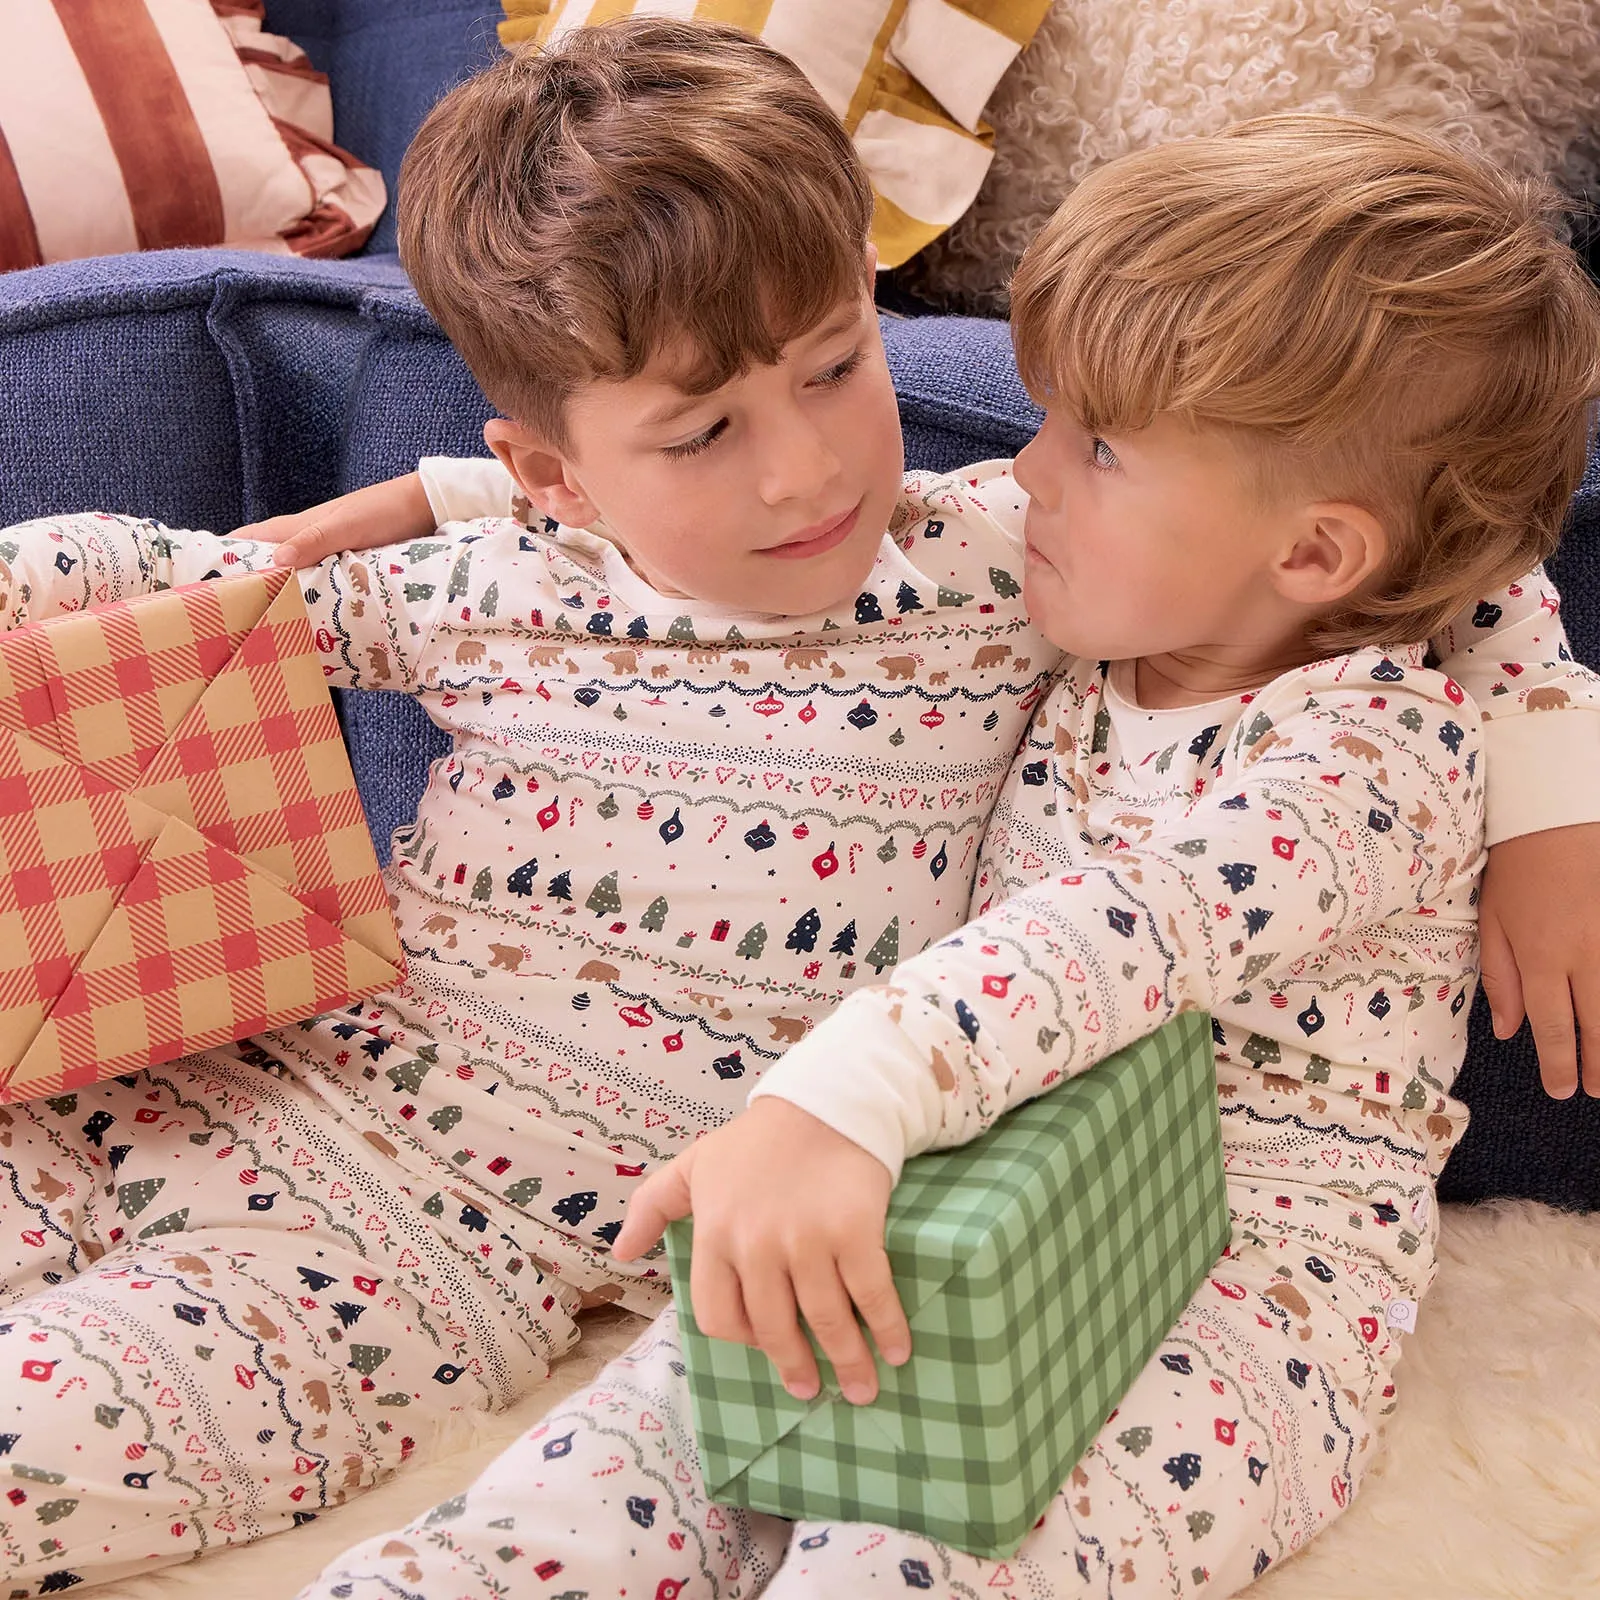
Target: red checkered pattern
183, 857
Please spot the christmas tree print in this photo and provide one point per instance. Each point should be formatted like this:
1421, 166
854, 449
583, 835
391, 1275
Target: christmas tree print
907, 599
133, 1197
868, 609
803, 935
173, 1222
603, 899
753, 943
367, 1358
458, 577
521, 881
844, 941
655, 915
560, 886
886, 951
952, 597
1005, 585
483, 884
523, 1190
1261, 1050
489, 600
445, 1118
681, 631
639, 628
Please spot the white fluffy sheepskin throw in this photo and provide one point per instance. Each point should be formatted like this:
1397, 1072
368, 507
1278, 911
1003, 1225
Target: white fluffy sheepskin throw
1518, 79
1488, 1488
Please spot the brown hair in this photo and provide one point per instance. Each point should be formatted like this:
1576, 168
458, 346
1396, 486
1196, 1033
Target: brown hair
1375, 316
644, 188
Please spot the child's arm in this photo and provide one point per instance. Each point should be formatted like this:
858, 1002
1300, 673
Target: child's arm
442, 489
1540, 907
1358, 800
370, 619
1339, 815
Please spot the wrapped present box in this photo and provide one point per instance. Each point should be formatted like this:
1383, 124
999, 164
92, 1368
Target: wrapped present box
183, 859
1040, 1267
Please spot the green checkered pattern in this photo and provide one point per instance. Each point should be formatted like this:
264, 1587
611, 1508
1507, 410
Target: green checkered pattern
1040, 1267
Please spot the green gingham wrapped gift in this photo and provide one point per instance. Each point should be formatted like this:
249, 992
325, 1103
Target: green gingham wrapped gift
1040, 1267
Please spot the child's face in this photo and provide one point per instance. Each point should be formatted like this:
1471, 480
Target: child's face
1145, 543
770, 494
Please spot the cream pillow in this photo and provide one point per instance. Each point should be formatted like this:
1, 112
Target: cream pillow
146, 124
1517, 79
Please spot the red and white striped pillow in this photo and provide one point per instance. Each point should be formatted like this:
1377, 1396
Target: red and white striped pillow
149, 124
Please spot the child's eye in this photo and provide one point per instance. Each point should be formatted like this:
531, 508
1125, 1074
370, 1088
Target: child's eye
839, 371
701, 441
1102, 456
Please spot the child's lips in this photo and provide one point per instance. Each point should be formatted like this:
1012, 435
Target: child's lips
817, 540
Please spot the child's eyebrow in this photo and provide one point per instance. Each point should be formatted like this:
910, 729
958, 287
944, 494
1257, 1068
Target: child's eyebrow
672, 410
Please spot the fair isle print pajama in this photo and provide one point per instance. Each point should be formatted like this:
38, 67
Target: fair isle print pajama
220, 1312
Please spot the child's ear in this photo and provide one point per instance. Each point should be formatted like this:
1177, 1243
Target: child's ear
1338, 547
542, 472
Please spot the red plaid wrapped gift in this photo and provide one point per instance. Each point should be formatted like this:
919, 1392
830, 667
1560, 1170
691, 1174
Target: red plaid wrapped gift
183, 856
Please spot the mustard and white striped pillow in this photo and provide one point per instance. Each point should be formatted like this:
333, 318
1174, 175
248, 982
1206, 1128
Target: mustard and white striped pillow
143, 124
909, 78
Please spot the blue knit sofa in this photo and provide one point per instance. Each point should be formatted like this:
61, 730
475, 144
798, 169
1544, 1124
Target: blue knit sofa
215, 388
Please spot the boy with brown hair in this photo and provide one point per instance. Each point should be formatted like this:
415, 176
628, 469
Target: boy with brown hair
1311, 386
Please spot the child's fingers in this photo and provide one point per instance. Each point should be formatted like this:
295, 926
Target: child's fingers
870, 1282
1502, 982
663, 1197
309, 544
825, 1304
1586, 997
1549, 1002
769, 1303
718, 1299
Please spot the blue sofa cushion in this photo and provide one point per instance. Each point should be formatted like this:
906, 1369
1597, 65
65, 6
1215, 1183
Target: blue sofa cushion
206, 388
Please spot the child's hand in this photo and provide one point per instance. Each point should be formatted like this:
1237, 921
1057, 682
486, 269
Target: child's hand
1539, 919
787, 1214
382, 513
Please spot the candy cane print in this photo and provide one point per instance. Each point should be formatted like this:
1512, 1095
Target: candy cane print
721, 823
971, 840
1026, 1003
855, 850
572, 811
70, 1385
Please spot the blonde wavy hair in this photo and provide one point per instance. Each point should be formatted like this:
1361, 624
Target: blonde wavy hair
1375, 317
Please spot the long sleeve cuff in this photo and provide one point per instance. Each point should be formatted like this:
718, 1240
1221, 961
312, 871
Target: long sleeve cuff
461, 489
1543, 771
861, 1075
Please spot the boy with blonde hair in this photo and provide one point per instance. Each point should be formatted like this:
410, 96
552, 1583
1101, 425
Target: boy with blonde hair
1311, 386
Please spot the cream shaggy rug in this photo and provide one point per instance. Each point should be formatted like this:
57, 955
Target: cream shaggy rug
1517, 79
1489, 1488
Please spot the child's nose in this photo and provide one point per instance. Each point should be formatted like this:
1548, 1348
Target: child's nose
798, 459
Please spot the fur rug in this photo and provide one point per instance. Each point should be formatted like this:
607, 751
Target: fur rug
1489, 1488
1518, 79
